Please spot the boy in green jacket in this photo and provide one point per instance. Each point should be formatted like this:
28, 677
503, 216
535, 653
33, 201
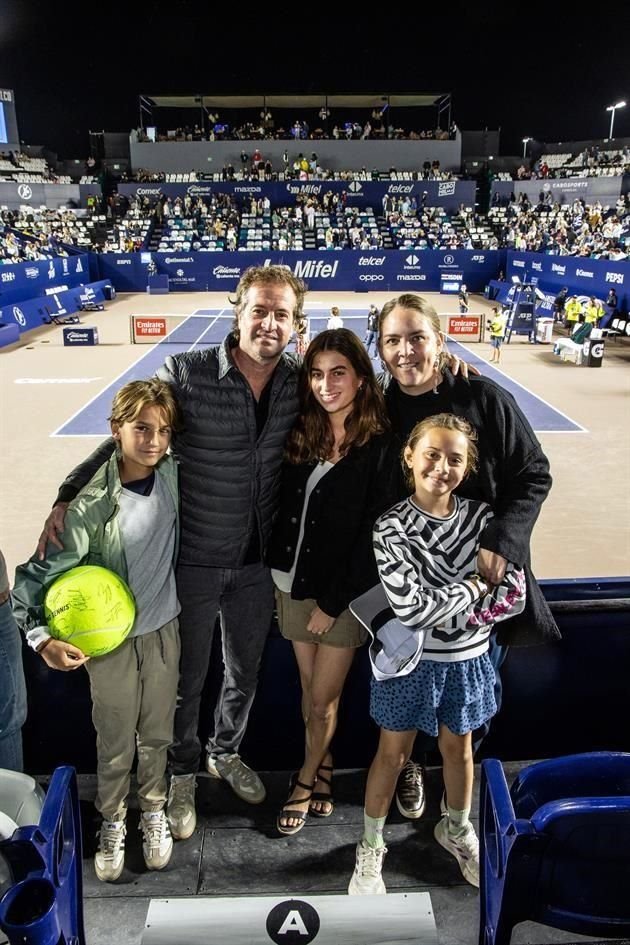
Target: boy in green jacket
125, 519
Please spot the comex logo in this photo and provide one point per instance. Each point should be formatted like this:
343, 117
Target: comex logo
25, 192
18, 315
355, 186
291, 917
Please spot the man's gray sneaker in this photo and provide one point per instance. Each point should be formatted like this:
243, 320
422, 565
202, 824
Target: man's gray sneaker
244, 782
180, 808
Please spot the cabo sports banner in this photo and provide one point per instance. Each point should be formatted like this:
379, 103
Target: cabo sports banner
351, 270
449, 193
563, 189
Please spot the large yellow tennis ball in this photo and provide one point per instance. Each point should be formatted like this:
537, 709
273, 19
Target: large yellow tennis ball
90, 607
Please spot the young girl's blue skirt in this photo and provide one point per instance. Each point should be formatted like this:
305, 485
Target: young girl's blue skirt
459, 695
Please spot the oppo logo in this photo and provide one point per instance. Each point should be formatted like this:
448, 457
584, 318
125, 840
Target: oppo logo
371, 277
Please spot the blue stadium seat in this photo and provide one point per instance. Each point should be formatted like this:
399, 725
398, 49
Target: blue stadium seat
44, 904
555, 848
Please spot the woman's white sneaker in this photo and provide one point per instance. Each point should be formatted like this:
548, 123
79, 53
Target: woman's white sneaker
366, 879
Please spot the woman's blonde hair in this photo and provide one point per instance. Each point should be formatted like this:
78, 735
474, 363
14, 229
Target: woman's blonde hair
443, 421
424, 308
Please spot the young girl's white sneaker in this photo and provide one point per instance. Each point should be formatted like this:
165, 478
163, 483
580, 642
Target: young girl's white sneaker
464, 846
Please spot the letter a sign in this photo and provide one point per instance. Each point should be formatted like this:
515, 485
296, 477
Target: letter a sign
292, 921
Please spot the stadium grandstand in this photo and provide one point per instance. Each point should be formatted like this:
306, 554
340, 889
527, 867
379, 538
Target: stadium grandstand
365, 198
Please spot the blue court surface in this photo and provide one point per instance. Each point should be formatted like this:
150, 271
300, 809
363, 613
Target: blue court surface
209, 327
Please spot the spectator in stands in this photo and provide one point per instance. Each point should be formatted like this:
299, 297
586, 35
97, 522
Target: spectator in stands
338, 465
335, 320
12, 685
513, 476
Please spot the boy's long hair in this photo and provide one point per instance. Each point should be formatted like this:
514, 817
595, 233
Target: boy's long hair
135, 396
312, 437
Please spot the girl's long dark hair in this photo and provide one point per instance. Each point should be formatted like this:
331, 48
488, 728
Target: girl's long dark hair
312, 437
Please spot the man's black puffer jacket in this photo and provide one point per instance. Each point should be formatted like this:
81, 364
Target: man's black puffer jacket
229, 478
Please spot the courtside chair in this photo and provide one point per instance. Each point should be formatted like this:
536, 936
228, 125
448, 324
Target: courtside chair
555, 848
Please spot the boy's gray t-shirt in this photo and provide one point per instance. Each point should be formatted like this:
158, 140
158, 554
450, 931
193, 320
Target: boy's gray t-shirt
147, 526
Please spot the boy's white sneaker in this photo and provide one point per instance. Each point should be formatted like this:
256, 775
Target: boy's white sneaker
157, 843
109, 859
366, 879
464, 846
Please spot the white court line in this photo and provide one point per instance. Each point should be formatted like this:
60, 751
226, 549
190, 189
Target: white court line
207, 329
527, 390
148, 349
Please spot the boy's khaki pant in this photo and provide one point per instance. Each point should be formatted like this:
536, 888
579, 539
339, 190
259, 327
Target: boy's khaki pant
134, 691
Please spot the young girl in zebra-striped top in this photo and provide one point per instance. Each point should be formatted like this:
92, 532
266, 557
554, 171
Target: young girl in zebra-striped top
426, 550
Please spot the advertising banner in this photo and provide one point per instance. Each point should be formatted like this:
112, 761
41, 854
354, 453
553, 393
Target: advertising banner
563, 189
14, 195
351, 270
26, 280
449, 194
31, 313
582, 275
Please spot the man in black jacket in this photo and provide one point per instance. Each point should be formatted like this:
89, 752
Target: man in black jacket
238, 402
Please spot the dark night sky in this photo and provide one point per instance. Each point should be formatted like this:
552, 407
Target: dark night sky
550, 75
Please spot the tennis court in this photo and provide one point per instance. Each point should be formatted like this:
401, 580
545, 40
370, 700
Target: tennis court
58, 399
